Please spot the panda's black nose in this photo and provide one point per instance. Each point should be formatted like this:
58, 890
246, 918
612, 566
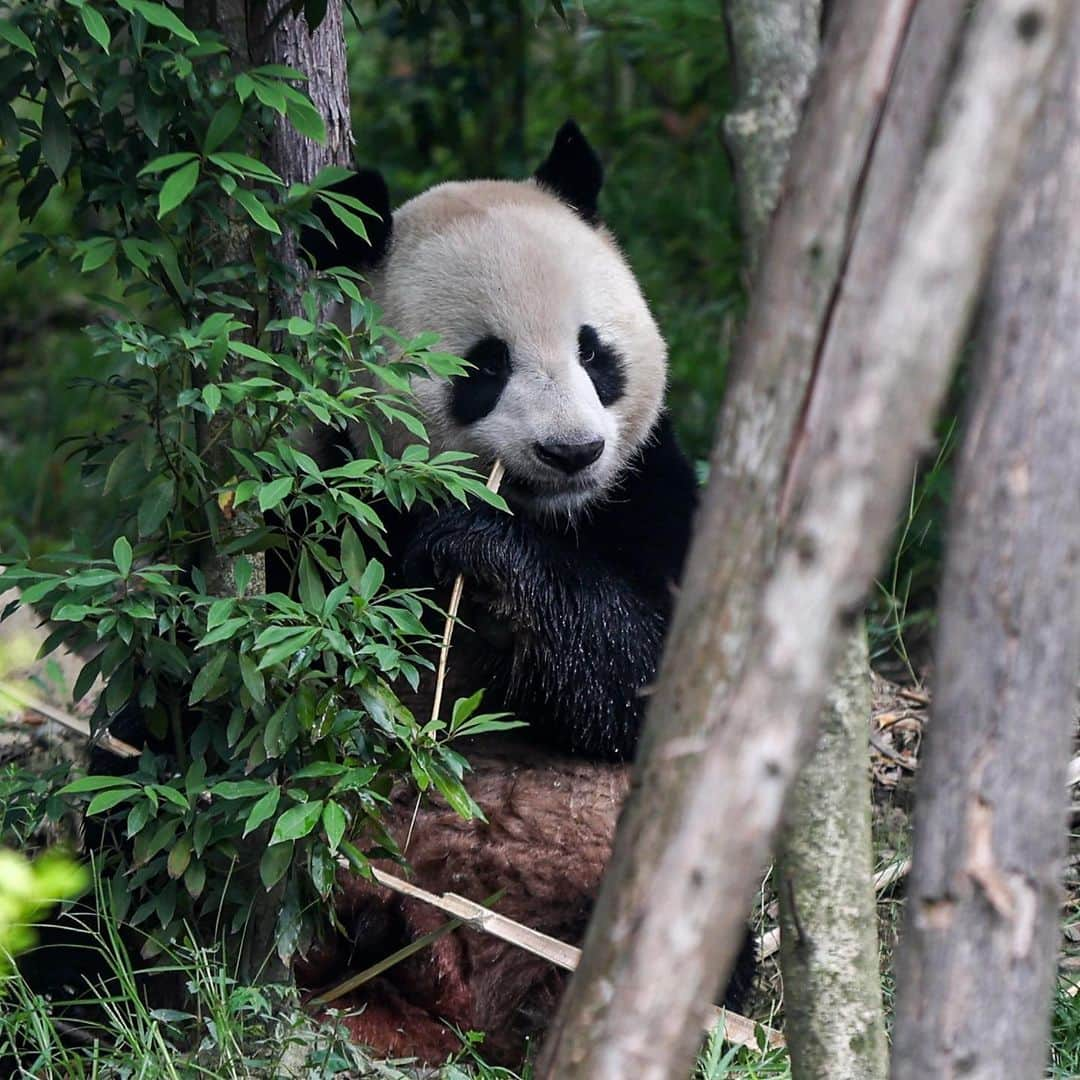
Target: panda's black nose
569, 457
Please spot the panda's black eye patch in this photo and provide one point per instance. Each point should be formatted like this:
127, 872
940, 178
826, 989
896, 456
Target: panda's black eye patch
603, 365
474, 395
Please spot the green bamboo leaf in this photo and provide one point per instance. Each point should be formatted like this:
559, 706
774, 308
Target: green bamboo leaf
179, 857
167, 162
334, 822
263, 810
306, 119
195, 879
240, 789
353, 559
55, 137
256, 210
253, 679
96, 26
207, 677
160, 15
297, 822
106, 800
177, 188
156, 504
11, 33
273, 864
87, 784
123, 555
273, 493
222, 125
352, 222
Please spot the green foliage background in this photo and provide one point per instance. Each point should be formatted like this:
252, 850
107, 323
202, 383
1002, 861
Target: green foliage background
435, 97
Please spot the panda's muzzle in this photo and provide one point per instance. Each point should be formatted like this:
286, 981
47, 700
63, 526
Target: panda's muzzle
569, 458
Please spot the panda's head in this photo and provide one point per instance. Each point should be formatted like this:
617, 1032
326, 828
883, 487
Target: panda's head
521, 280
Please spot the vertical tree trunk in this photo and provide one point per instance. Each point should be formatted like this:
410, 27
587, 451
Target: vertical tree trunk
774, 50
697, 827
832, 987
320, 55
833, 1015
834, 1022
258, 35
294, 157
982, 928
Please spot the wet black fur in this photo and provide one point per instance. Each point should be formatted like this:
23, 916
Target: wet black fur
569, 617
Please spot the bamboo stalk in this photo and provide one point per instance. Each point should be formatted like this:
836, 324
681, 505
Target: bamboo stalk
72, 723
493, 481
737, 1029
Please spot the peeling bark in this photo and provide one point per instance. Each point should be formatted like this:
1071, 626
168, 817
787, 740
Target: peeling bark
749, 657
832, 985
979, 948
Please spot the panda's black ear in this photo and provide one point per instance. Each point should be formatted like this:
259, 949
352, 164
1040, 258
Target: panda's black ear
344, 247
572, 171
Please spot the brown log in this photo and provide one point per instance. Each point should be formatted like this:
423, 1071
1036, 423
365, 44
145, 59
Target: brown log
982, 925
708, 795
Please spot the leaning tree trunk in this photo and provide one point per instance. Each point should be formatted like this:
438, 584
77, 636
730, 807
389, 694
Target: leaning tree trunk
980, 943
834, 1022
698, 826
829, 957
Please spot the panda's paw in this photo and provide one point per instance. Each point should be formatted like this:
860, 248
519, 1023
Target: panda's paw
473, 542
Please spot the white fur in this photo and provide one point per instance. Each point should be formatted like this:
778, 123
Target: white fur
504, 259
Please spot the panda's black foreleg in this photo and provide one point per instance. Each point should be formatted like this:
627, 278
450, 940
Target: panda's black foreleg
585, 641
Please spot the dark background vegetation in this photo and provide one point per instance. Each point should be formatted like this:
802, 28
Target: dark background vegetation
435, 97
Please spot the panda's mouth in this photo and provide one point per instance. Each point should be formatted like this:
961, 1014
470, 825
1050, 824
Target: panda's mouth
549, 496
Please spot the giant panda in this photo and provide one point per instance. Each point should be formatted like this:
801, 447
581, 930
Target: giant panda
567, 599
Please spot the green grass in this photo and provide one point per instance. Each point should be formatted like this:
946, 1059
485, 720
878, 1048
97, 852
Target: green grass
219, 1029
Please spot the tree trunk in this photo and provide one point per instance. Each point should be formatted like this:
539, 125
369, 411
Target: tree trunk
833, 1016
832, 986
708, 796
256, 36
832, 983
979, 949
294, 157
774, 49
320, 55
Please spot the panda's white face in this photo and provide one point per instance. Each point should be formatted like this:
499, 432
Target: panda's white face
569, 364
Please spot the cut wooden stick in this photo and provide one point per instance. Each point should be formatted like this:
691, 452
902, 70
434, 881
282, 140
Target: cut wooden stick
737, 1029
493, 481
72, 723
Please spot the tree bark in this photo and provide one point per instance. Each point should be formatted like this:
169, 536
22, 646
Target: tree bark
294, 157
979, 949
256, 36
320, 55
834, 1021
833, 1017
774, 50
832, 985
708, 795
